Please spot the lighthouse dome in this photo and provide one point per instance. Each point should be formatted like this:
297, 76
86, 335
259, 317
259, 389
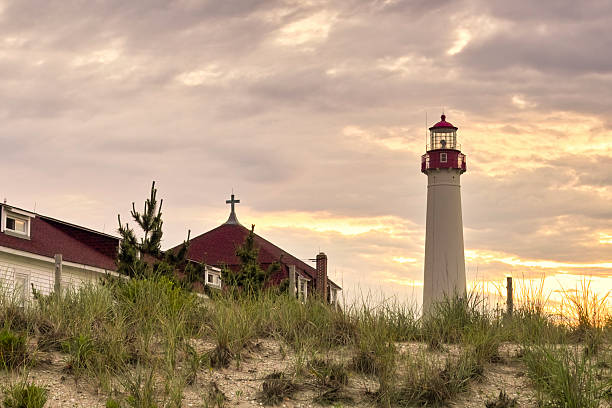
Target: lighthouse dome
443, 124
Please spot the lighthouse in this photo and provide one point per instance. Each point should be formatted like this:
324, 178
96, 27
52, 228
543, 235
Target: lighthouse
444, 258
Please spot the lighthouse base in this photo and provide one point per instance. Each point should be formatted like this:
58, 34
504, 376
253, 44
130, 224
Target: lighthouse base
444, 275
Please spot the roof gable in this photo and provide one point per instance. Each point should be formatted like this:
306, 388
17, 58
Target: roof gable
218, 247
76, 244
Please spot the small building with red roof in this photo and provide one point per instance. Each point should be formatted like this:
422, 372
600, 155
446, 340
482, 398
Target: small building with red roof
217, 248
45, 254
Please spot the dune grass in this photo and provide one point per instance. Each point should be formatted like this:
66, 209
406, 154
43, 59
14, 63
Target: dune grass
134, 339
564, 376
24, 395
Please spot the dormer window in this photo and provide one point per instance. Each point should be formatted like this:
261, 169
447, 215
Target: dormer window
16, 225
16, 222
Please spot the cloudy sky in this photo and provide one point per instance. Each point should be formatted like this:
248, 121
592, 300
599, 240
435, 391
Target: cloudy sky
314, 113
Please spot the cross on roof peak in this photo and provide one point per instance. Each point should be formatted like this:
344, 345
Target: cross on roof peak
232, 217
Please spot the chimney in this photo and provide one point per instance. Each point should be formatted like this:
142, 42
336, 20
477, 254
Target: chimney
321, 284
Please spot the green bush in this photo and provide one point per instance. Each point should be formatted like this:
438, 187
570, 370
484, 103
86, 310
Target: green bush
13, 351
24, 395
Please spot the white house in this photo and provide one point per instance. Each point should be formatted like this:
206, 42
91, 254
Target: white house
44, 253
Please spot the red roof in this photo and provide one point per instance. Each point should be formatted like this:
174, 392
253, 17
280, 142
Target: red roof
217, 247
443, 124
76, 244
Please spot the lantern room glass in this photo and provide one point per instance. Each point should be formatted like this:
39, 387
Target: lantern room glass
442, 138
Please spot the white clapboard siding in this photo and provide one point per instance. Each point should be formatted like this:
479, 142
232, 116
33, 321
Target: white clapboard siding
34, 273
40, 274
75, 278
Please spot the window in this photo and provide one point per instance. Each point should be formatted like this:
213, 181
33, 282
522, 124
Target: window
15, 223
443, 157
443, 139
211, 278
334, 296
21, 288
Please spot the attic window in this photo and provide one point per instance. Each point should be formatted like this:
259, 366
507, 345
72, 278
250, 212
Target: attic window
15, 224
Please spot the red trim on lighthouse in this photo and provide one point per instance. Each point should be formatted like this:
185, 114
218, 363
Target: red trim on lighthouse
443, 124
454, 160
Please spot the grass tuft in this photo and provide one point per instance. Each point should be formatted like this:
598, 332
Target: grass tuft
13, 351
564, 377
334, 397
276, 388
23, 395
502, 401
220, 356
425, 383
449, 319
214, 397
329, 373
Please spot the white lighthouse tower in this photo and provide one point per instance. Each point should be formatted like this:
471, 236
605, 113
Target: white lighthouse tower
444, 258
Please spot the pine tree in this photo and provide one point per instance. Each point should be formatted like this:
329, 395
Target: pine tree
150, 222
250, 278
145, 257
128, 258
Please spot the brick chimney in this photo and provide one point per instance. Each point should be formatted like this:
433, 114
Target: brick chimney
321, 284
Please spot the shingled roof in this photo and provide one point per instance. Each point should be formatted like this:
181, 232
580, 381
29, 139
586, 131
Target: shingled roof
77, 244
218, 247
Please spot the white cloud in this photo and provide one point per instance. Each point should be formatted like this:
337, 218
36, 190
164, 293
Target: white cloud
104, 56
521, 102
307, 31
462, 38
473, 28
210, 74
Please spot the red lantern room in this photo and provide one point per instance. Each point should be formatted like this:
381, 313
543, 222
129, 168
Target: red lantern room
443, 151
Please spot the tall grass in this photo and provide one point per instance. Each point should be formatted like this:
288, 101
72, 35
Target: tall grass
564, 376
13, 349
450, 318
24, 395
587, 309
533, 320
426, 382
134, 337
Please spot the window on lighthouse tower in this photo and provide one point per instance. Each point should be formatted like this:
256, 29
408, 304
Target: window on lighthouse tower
443, 138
